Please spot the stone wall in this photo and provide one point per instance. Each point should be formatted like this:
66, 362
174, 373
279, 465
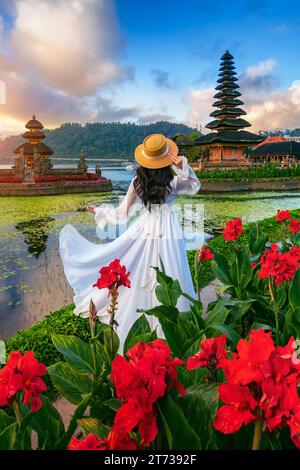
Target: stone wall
43, 189
6, 172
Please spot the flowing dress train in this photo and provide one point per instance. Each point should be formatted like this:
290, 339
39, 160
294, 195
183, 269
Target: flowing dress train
152, 235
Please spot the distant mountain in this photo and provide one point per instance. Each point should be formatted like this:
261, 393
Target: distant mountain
276, 132
107, 140
101, 139
7, 147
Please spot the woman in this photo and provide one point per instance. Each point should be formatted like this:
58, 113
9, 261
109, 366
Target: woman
155, 235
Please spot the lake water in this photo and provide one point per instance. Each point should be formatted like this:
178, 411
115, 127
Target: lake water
31, 277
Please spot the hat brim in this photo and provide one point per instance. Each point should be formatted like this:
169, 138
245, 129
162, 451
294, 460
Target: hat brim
155, 162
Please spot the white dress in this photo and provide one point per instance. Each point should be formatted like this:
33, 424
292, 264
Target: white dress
152, 235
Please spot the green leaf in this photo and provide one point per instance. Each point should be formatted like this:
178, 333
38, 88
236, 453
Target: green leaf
261, 326
144, 337
48, 435
201, 403
294, 292
68, 382
140, 326
246, 269
5, 420
163, 311
196, 314
168, 290
180, 435
8, 437
219, 274
93, 425
218, 314
114, 404
106, 342
223, 267
226, 330
78, 414
76, 352
23, 438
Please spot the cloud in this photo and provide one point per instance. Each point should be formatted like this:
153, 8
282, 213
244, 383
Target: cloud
280, 110
258, 79
161, 78
155, 117
199, 103
266, 108
73, 46
59, 60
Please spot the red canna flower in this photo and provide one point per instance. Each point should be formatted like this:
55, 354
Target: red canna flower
295, 253
233, 229
280, 266
113, 276
245, 366
205, 254
91, 442
262, 382
140, 382
294, 226
294, 425
119, 441
114, 441
211, 354
22, 373
238, 409
282, 216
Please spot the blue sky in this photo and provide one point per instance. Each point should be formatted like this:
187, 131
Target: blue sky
165, 34
146, 60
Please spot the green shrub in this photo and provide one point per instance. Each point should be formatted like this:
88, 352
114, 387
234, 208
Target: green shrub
37, 338
267, 226
267, 170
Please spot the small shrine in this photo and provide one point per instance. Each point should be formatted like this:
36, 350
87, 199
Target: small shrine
227, 144
34, 173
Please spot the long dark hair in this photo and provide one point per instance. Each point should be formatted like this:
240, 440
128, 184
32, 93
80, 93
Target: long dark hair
153, 185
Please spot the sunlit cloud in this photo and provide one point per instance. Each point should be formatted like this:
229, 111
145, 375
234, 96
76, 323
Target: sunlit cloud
265, 107
58, 56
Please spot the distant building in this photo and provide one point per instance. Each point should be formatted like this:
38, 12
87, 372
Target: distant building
228, 141
33, 173
33, 144
270, 151
268, 140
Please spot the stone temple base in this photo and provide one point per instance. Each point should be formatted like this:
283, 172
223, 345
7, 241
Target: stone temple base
52, 188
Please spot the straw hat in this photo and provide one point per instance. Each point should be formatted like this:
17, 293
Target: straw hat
153, 152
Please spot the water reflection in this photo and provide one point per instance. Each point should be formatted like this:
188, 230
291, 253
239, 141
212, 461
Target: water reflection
35, 232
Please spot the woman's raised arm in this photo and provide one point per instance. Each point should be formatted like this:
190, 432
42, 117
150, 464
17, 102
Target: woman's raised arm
107, 214
186, 180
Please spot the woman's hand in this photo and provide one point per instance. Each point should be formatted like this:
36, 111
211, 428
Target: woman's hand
90, 209
176, 159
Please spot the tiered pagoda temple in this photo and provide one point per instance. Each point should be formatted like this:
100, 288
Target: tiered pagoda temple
34, 174
228, 139
34, 144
